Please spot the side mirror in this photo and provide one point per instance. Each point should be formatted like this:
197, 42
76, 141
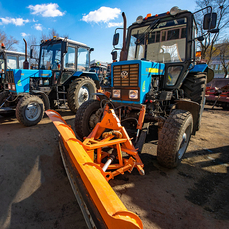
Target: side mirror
114, 55
115, 39
31, 53
209, 18
65, 46
91, 50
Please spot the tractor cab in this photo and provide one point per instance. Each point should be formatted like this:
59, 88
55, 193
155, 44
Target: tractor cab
9, 60
167, 39
64, 57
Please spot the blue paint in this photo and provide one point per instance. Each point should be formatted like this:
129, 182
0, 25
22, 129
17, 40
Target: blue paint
199, 68
22, 78
92, 75
146, 71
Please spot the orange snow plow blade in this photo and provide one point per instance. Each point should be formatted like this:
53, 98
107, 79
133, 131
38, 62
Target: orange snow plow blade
99, 203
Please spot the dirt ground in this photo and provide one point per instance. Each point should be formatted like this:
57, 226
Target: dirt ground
35, 192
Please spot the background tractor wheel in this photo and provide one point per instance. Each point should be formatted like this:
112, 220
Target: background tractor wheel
80, 90
194, 88
30, 110
174, 138
87, 116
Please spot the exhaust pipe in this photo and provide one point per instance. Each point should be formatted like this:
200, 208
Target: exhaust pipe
123, 54
25, 63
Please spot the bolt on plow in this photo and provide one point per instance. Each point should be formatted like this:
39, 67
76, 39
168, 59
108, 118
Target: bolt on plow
92, 163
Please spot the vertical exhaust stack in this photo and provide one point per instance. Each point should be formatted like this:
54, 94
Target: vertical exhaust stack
25, 63
123, 54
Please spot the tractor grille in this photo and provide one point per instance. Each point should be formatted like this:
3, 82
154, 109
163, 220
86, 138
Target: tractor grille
126, 75
9, 77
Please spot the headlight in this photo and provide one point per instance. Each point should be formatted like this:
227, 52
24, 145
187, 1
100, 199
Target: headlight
175, 10
139, 19
13, 87
133, 94
9, 86
116, 93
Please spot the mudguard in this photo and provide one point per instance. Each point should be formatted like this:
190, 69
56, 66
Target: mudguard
112, 212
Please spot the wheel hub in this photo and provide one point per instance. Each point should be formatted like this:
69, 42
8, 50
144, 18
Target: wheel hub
95, 118
83, 94
32, 111
184, 143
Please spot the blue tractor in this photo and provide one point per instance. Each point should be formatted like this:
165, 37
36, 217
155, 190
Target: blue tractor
158, 80
62, 79
9, 60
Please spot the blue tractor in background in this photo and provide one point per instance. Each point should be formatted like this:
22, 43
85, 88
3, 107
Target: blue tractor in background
158, 80
62, 79
9, 60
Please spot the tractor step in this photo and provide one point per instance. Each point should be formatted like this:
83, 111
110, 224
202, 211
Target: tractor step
63, 99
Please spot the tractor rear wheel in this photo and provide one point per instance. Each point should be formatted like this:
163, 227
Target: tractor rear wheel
87, 116
30, 110
194, 88
174, 138
80, 90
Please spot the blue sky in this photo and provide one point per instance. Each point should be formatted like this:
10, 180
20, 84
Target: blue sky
89, 22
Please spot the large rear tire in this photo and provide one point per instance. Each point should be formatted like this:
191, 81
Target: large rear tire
30, 110
87, 116
80, 90
194, 88
174, 138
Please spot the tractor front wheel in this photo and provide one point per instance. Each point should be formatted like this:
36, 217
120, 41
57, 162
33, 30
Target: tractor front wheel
80, 90
174, 138
30, 110
87, 116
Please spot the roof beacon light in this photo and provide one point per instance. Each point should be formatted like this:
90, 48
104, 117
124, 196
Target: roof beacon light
139, 19
148, 15
2, 45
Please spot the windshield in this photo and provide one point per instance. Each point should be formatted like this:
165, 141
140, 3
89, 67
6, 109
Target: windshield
166, 43
50, 57
11, 62
83, 59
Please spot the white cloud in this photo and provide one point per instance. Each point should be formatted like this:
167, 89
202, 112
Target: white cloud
38, 27
115, 24
46, 10
103, 14
25, 34
15, 21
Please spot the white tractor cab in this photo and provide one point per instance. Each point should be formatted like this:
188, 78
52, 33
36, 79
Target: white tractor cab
9, 60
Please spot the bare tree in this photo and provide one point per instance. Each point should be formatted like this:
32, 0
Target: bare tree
51, 34
221, 7
8, 41
222, 53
